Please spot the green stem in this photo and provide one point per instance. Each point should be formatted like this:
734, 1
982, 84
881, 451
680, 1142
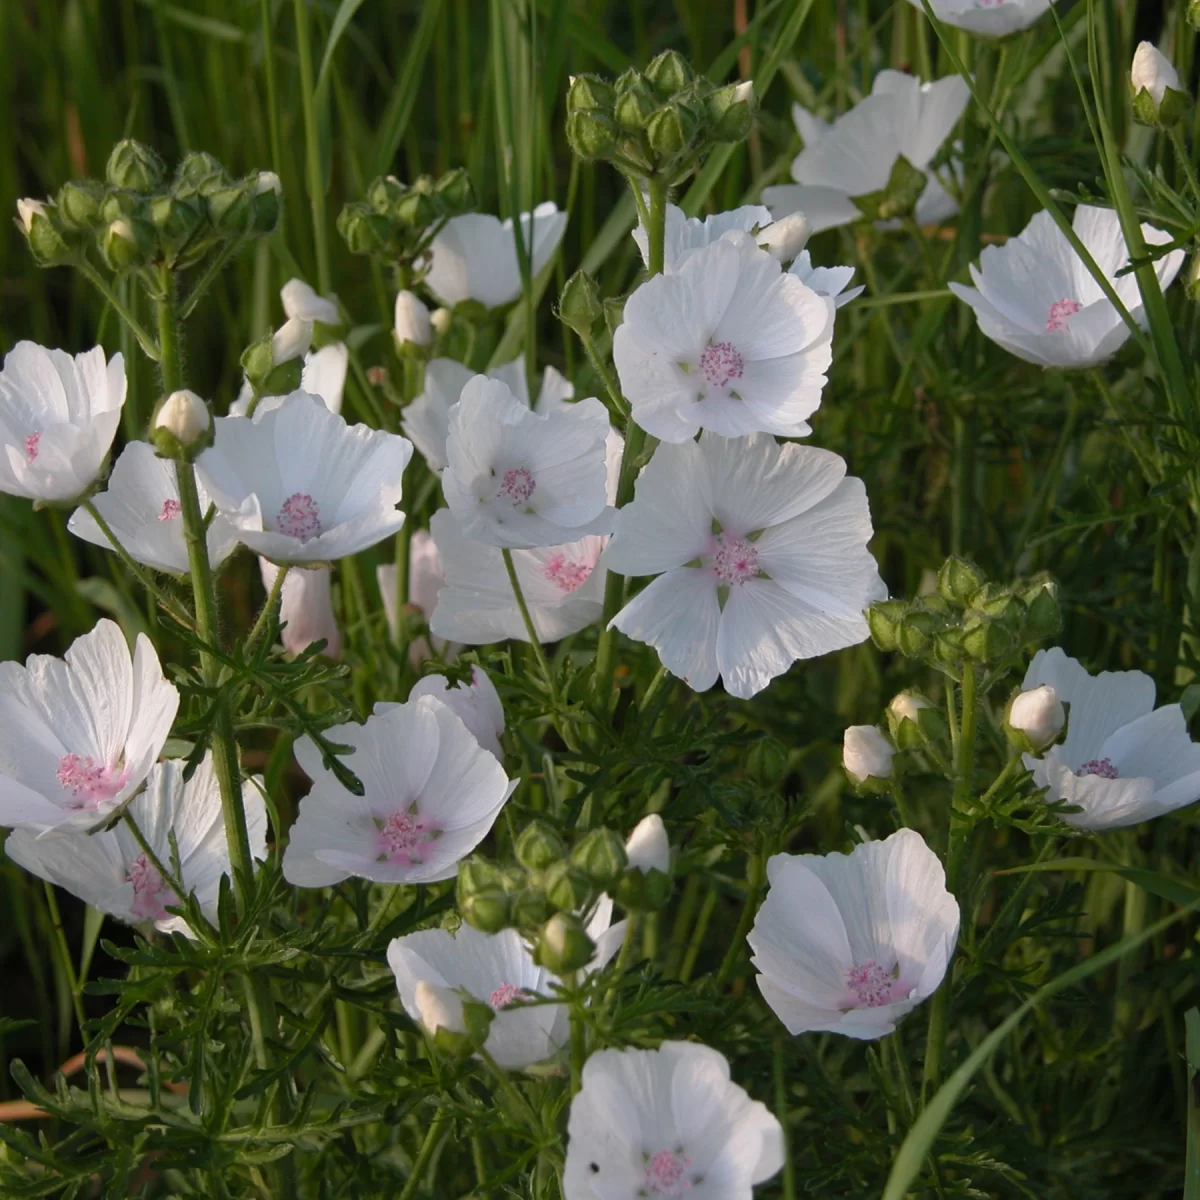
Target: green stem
316, 190
755, 874
578, 1033
698, 931
781, 1114
615, 399
538, 652
64, 953
135, 326
433, 1137
273, 596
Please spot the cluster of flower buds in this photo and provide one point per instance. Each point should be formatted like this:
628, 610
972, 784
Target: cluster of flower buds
659, 122
395, 222
137, 217
967, 619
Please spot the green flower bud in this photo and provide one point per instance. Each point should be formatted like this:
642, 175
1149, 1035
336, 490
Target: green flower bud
883, 620
267, 203
258, 360
566, 887
601, 857
199, 174
124, 244
455, 191
133, 165
177, 218
669, 73
456, 1022
590, 91
580, 304
363, 229
530, 910
1193, 13
914, 635
231, 209
643, 891
731, 112
958, 580
986, 640
948, 647
563, 945
592, 134
539, 845
417, 209
39, 222
634, 102
670, 130
78, 203
487, 909
1043, 614
999, 603
384, 193
904, 720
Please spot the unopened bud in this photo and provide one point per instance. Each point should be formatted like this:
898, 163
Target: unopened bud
291, 341
412, 321
786, 238
1158, 95
1037, 716
563, 945
590, 92
1043, 613
866, 753
883, 620
531, 910
119, 245
567, 887
731, 112
133, 165
364, 230
648, 848
669, 131
538, 846
441, 319
455, 191
669, 73
182, 426
199, 173
592, 134
580, 305
909, 729
267, 203
457, 1024
601, 857
958, 580
986, 640
27, 210
40, 225
231, 209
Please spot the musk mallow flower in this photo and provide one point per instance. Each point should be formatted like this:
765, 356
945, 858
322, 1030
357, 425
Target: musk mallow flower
563, 587
411, 321
1122, 761
303, 486
854, 157
682, 235
430, 795
851, 943
825, 281
58, 418
991, 18
476, 703
497, 969
1034, 297
79, 734
730, 342
141, 507
110, 871
761, 555
305, 608
520, 479
474, 256
667, 1123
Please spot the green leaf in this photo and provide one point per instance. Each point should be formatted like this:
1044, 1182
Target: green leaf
341, 22
1177, 891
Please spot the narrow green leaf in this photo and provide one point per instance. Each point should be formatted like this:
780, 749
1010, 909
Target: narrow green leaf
1177, 891
341, 22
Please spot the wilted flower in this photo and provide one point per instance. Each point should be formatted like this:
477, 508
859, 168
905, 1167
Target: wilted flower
992, 18
1123, 761
761, 553
851, 943
431, 793
1038, 714
58, 417
305, 608
866, 753
855, 156
563, 588
1035, 297
78, 736
477, 704
110, 871
729, 342
474, 256
141, 507
670, 1123
516, 478
302, 486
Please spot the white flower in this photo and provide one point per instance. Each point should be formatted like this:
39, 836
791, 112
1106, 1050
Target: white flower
301, 485
302, 302
291, 340
305, 608
683, 235
141, 507
58, 417
1038, 714
563, 588
902, 117
78, 736
431, 793
667, 1123
647, 847
851, 943
323, 376
761, 556
866, 753
1123, 761
412, 320
906, 706
425, 581
28, 209
110, 871
1037, 299
474, 256
992, 18
784, 239
438, 1008
1153, 72
184, 416
519, 479
497, 970
476, 704
729, 342
426, 421
825, 281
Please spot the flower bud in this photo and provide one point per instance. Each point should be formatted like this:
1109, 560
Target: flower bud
669, 73
866, 753
538, 846
27, 210
634, 102
580, 305
731, 112
567, 887
441, 319
669, 131
481, 894
987, 640
364, 230
915, 632
133, 165
1037, 716
909, 728
182, 426
648, 848
590, 92
592, 134
530, 910
601, 857
563, 945
1043, 614
1159, 97
177, 219
78, 203
457, 1023
1193, 13
267, 203
643, 891
883, 620
456, 191
121, 246
786, 238
412, 321
199, 173
291, 341
40, 224
958, 580
231, 209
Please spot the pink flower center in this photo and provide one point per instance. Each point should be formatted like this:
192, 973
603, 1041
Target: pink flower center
170, 510
1099, 766
665, 1175
150, 894
31, 446
504, 995
871, 984
735, 560
88, 781
565, 574
299, 517
720, 363
1060, 310
404, 837
516, 486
